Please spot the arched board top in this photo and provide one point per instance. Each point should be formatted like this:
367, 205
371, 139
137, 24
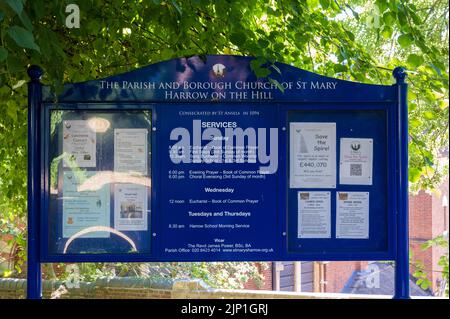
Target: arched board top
218, 78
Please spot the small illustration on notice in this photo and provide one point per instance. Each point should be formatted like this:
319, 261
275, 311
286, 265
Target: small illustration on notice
356, 161
79, 144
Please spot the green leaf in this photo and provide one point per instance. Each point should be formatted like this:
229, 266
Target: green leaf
3, 54
14, 64
443, 104
263, 43
402, 20
429, 115
176, 6
387, 32
412, 106
335, 6
405, 40
312, 3
325, 4
16, 5
389, 18
414, 174
425, 284
436, 69
415, 60
350, 35
19, 84
2, 15
38, 8
11, 110
261, 72
237, 38
273, 66
382, 5
415, 18
23, 37
26, 21
414, 122
278, 84
257, 63
338, 68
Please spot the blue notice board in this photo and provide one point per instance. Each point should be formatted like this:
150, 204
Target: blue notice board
83, 214
195, 159
369, 125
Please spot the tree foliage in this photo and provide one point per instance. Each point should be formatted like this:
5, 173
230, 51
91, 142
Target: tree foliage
354, 40
422, 274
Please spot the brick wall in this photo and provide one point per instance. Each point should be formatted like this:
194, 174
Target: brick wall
426, 221
337, 274
420, 229
266, 272
135, 288
5, 249
117, 288
420, 217
439, 225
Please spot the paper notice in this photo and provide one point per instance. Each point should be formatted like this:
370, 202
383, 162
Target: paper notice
84, 209
312, 155
314, 214
130, 150
130, 207
79, 143
356, 160
352, 215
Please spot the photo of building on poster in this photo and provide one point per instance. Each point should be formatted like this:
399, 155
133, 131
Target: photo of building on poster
130, 207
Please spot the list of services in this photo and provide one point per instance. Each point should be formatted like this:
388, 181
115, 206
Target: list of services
220, 184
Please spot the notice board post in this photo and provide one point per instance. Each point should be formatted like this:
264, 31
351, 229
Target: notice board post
402, 261
34, 181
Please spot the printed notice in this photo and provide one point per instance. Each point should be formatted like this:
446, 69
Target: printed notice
130, 150
130, 207
356, 160
84, 209
79, 143
352, 215
313, 155
314, 214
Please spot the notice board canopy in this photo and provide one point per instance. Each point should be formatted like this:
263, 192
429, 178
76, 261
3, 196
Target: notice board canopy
196, 159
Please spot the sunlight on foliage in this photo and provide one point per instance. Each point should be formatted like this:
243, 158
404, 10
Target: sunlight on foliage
353, 40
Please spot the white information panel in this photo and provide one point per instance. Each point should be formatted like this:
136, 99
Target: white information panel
352, 215
85, 204
79, 143
130, 150
312, 155
356, 160
314, 214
